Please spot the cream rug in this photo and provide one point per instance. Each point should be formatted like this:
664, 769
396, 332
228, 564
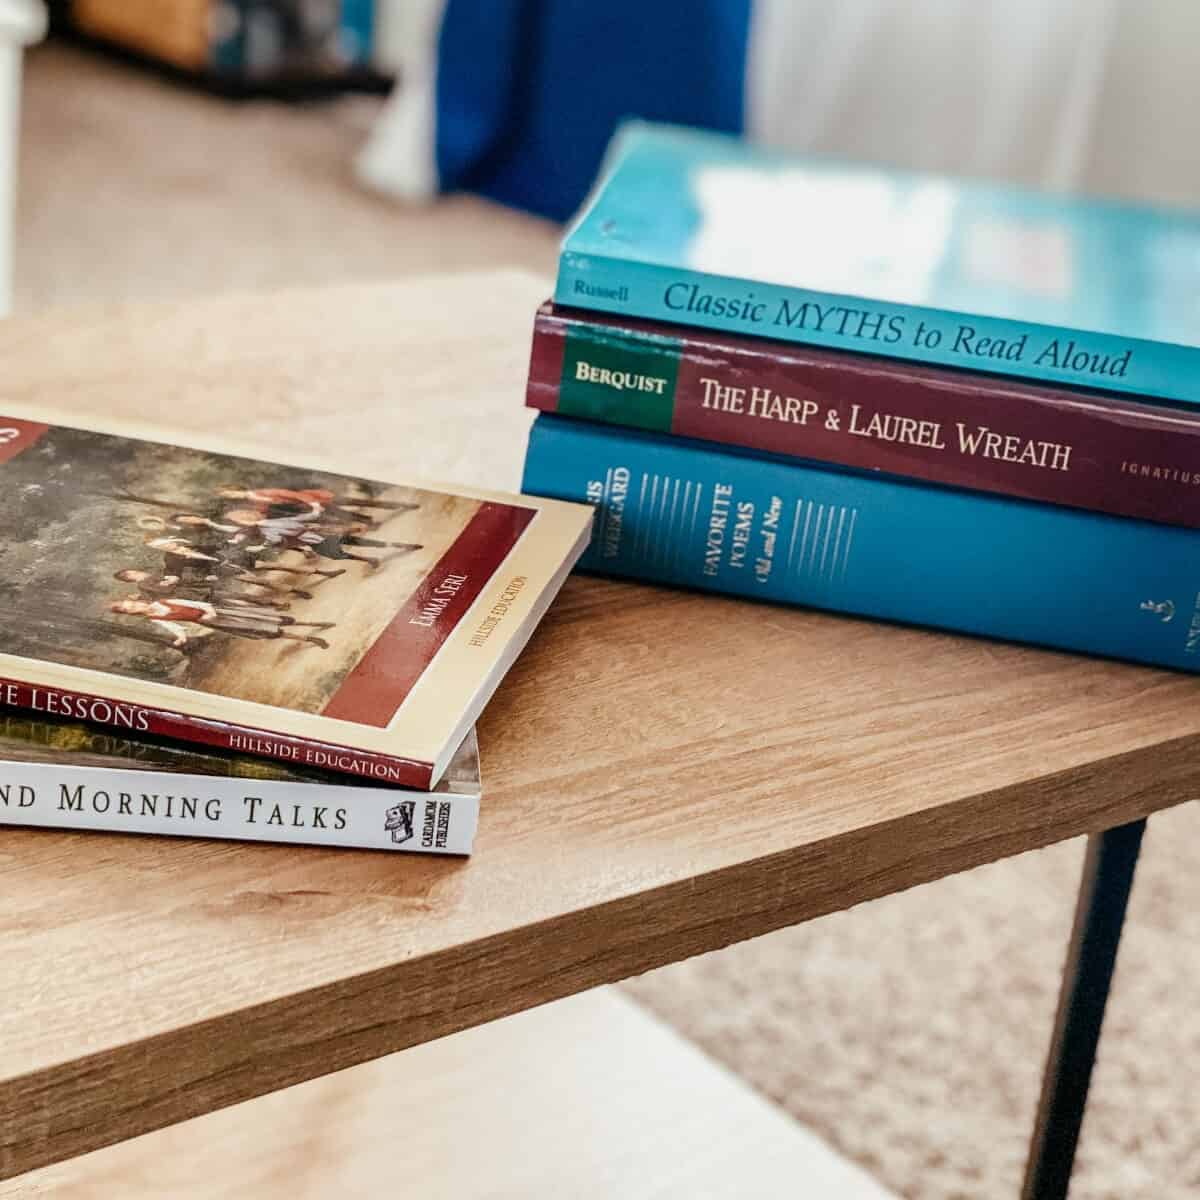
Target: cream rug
908, 1033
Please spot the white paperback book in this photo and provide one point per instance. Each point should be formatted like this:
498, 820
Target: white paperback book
65, 775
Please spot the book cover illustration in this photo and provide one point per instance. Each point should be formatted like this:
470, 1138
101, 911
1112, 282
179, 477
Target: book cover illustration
1097, 451
292, 612
62, 774
702, 229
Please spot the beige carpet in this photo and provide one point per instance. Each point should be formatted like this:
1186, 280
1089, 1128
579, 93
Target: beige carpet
909, 1033
136, 189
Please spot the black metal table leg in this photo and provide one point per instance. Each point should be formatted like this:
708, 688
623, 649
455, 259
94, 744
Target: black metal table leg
1099, 916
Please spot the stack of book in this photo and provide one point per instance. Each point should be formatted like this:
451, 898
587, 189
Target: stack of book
882, 394
202, 643
239, 47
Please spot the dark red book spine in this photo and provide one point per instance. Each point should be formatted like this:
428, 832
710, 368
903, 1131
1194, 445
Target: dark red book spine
138, 718
1089, 450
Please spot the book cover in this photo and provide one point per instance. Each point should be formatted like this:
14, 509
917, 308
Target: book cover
293, 612
1091, 450
701, 229
688, 513
61, 774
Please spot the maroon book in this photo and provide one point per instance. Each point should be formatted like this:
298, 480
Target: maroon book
988, 433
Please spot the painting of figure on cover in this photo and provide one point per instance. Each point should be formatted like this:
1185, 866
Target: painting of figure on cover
245, 579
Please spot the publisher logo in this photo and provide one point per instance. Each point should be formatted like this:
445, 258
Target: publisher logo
399, 821
1163, 609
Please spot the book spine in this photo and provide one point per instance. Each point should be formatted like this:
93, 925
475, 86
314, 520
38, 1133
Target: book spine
687, 513
967, 430
119, 801
101, 710
1026, 349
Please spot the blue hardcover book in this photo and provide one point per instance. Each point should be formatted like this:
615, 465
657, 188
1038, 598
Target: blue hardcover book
705, 230
682, 512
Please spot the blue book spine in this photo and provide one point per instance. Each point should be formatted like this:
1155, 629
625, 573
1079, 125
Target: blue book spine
685, 513
1026, 349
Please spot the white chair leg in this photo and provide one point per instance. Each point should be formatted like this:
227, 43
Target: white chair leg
21, 22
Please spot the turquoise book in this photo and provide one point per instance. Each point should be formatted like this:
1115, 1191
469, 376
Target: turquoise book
705, 230
692, 514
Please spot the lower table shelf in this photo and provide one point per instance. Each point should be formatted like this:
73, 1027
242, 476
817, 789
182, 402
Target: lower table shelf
590, 1097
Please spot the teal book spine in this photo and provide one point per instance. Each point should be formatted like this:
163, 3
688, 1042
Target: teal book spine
687, 513
700, 229
955, 339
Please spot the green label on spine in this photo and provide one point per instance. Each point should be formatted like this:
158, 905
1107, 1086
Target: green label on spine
609, 377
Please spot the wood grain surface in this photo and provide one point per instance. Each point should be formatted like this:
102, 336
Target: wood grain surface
665, 773
589, 1097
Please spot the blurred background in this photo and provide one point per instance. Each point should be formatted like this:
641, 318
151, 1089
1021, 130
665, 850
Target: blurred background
157, 149
175, 146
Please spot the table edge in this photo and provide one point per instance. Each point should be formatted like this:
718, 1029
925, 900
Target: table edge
83, 1104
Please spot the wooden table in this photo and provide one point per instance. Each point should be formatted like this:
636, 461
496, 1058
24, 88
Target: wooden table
666, 773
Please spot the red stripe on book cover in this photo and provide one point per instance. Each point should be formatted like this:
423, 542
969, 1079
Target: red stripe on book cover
1083, 449
377, 686
17, 436
135, 718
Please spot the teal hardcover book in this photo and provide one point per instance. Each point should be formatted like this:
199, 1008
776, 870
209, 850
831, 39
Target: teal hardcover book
704, 230
698, 515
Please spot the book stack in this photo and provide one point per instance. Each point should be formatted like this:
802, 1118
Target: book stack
880, 394
202, 643
238, 47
